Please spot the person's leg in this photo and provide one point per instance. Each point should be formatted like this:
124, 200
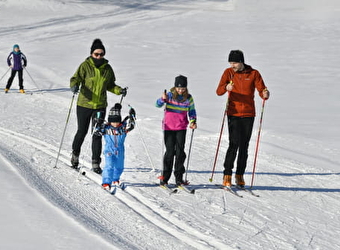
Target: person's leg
10, 79
168, 160
180, 156
246, 128
96, 139
21, 80
83, 120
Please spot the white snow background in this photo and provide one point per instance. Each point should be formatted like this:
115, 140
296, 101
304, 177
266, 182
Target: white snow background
293, 43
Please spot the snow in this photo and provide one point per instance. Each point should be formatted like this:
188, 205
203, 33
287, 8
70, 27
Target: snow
294, 45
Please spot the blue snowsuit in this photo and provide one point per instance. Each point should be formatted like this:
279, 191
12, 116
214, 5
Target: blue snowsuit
114, 151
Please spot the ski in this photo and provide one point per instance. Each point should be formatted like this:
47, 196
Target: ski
248, 190
184, 188
121, 186
113, 189
79, 170
230, 190
168, 189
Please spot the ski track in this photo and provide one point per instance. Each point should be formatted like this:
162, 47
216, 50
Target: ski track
106, 221
83, 199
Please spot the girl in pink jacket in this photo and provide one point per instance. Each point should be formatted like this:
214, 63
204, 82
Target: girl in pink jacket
179, 112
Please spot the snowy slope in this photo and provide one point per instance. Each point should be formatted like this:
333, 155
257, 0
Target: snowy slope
293, 44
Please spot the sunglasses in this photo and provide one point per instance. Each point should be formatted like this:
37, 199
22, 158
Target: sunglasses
98, 54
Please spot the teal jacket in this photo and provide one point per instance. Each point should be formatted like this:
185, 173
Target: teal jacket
94, 83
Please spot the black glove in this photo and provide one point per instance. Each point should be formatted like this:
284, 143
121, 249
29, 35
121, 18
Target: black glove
123, 92
98, 120
75, 89
132, 113
99, 130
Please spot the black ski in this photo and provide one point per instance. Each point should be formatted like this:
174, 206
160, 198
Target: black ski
184, 188
168, 189
79, 170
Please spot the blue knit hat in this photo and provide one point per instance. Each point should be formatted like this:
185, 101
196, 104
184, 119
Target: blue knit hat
15, 46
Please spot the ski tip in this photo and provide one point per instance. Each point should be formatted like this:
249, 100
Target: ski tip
174, 192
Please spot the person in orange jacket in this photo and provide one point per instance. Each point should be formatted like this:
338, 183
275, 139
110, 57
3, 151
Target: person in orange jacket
240, 81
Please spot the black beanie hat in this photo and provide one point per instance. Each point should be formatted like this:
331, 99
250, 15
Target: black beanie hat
97, 44
236, 56
181, 81
114, 113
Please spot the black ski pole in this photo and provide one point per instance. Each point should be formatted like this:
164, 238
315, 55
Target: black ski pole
190, 146
121, 99
62, 138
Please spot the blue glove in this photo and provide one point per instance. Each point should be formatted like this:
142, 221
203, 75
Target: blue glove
75, 89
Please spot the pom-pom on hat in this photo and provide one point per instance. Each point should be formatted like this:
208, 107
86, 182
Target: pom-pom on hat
114, 113
236, 56
181, 81
97, 44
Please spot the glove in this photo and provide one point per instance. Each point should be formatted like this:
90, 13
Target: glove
75, 89
99, 130
99, 119
123, 92
132, 113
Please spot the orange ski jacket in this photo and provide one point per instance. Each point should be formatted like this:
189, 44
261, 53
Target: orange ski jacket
241, 98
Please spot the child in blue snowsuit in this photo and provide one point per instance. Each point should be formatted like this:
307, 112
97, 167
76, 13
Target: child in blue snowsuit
114, 132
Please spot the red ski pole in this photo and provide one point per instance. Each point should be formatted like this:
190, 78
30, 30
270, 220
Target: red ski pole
257, 144
220, 137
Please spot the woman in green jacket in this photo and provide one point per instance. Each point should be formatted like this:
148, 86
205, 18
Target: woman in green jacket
94, 78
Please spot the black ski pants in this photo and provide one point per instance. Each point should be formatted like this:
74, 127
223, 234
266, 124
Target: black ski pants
84, 117
11, 78
240, 130
174, 146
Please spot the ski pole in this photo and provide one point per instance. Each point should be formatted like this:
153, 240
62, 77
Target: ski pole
33, 80
257, 143
143, 142
5, 74
121, 99
163, 140
190, 146
62, 138
220, 136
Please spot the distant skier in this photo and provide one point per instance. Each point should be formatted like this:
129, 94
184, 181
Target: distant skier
179, 106
17, 62
95, 77
114, 132
240, 80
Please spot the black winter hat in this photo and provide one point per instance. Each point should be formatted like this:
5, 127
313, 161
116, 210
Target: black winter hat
97, 44
181, 81
114, 113
236, 56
